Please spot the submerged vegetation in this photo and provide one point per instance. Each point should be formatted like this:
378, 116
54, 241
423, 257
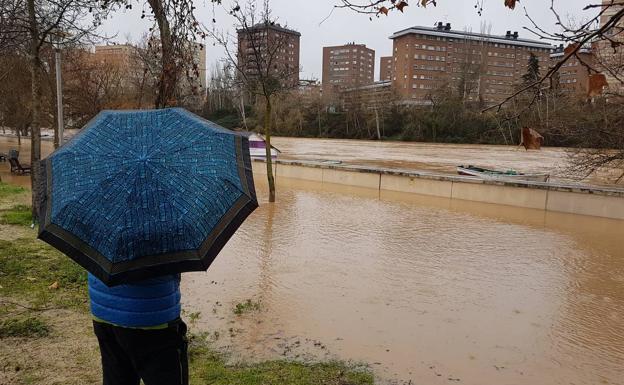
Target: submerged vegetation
246, 307
208, 367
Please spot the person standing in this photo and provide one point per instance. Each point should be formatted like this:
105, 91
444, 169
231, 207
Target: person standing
140, 332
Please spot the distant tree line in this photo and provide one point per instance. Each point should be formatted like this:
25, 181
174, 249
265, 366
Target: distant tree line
449, 118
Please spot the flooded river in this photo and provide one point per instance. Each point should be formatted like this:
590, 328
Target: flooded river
438, 157
423, 289
428, 290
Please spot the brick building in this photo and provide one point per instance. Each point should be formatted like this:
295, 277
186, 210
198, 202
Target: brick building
121, 55
573, 77
263, 38
385, 68
606, 55
346, 66
480, 67
369, 97
125, 58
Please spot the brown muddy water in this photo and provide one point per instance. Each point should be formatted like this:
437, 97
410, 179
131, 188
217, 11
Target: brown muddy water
423, 289
428, 290
439, 157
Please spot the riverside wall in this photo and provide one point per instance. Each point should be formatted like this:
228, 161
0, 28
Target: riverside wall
574, 199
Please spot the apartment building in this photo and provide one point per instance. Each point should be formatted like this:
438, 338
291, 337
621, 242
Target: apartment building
122, 55
573, 77
385, 68
608, 58
481, 67
346, 66
125, 57
369, 97
264, 40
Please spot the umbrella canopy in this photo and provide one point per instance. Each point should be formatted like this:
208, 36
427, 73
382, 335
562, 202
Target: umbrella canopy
138, 194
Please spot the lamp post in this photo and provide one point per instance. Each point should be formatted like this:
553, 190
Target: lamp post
59, 35
59, 94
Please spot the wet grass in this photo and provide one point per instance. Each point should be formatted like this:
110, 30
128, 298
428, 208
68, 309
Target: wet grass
25, 327
210, 367
7, 190
17, 215
34, 272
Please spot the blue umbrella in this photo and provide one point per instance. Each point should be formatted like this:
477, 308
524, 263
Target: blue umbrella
138, 194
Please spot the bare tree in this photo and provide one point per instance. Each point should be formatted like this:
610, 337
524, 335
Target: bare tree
91, 86
41, 23
258, 59
178, 32
15, 111
11, 25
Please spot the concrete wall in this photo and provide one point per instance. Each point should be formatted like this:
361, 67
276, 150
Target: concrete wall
586, 204
415, 185
607, 203
502, 195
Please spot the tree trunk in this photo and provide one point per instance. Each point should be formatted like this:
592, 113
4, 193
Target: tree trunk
318, 111
168, 76
242, 106
267, 138
35, 82
377, 124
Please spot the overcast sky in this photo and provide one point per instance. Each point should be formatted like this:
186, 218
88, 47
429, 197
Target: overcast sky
345, 26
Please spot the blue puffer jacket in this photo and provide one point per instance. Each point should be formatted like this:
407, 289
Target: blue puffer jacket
147, 303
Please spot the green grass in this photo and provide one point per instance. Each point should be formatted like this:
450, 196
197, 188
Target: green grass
29, 327
17, 215
28, 267
209, 367
6, 190
246, 307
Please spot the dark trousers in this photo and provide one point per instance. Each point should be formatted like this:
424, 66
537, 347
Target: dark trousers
158, 357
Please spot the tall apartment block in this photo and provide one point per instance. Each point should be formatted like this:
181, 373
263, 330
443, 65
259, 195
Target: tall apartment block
482, 67
385, 68
346, 66
262, 38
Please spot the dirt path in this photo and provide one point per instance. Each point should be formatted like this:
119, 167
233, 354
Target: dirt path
68, 356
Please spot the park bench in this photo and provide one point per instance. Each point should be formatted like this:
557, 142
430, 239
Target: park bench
17, 167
